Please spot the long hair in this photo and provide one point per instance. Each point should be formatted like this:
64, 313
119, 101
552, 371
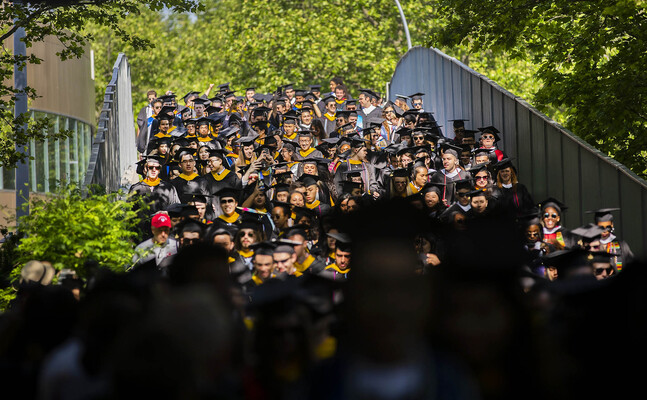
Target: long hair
513, 179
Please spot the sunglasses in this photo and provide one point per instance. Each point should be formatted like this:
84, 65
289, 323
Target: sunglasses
282, 261
249, 234
156, 167
481, 178
553, 216
599, 271
487, 137
227, 201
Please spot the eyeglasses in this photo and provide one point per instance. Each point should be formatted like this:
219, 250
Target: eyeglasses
599, 271
553, 216
487, 137
156, 167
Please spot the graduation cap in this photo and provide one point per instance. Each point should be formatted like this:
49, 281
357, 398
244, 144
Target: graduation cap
603, 214
189, 211
229, 131
458, 123
463, 184
227, 192
349, 186
247, 140
220, 153
190, 121
436, 187
211, 110
552, 202
315, 88
370, 93
590, 232
404, 150
153, 159
164, 115
191, 93
186, 110
403, 97
191, 225
492, 130
469, 133
449, 148
567, 260
263, 248
328, 99
157, 142
183, 151
478, 168
261, 110
345, 113
309, 180
175, 210
167, 98
400, 173
477, 192
203, 121
260, 97
203, 101
503, 164
416, 96
223, 87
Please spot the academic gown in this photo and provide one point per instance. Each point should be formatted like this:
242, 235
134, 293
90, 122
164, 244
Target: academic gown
188, 184
448, 192
161, 195
619, 249
214, 182
367, 173
515, 200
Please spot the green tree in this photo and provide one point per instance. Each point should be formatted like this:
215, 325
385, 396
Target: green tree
69, 228
66, 20
589, 57
266, 44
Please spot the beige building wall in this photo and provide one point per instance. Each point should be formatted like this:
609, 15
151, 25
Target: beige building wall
64, 87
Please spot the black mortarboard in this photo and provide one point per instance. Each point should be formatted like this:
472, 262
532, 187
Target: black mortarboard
463, 184
190, 121
167, 97
490, 129
247, 140
416, 96
603, 214
315, 88
451, 149
504, 163
401, 96
263, 248
165, 116
191, 93
309, 180
200, 100
181, 152
432, 187
203, 121
589, 232
552, 202
349, 186
328, 99
400, 173
220, 153
357, 142
227, 192
370, 93
458, 123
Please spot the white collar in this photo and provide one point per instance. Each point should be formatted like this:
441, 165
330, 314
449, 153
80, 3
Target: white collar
551, 231
368, 110
451, 174
507, 185
464, 208
610, 239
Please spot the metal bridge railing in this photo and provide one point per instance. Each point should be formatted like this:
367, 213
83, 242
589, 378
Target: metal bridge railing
551, 160
113, 153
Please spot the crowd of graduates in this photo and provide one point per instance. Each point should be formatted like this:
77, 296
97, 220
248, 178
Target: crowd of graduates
307, 245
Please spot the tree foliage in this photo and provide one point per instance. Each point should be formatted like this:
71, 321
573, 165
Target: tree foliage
266, 44
589, 57
70, 228
66, 20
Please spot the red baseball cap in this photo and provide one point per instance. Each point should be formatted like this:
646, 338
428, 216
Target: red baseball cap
161, 220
